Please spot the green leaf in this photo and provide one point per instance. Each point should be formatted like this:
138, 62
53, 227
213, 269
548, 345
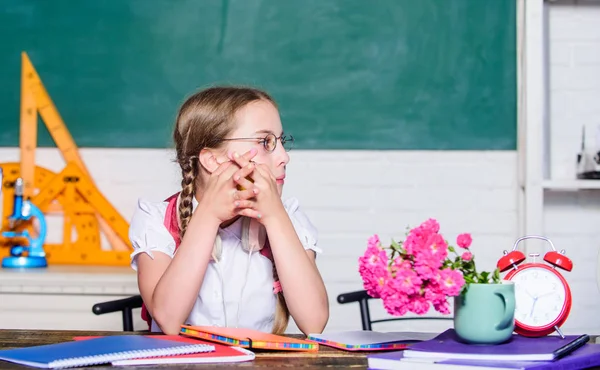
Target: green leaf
496, 276
469, 279
484, 277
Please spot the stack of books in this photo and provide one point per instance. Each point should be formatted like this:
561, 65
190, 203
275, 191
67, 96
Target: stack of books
448, 352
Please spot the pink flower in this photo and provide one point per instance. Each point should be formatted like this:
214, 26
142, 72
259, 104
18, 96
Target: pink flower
406, 281
373, 267
432, 292
373, 283
417, 278
427, 267
437, 299
374, 241
437, 247
374, 259
442, 306
415, 241
394, 302
450, 282
418, 305
431, 225
464, 240
401, 263
426, 237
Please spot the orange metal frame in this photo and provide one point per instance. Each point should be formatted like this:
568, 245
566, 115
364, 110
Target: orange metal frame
71, 192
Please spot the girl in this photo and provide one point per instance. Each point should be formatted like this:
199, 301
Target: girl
226, 250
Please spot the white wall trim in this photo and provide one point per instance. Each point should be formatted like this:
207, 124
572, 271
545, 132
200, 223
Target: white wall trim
521, 126
534, 112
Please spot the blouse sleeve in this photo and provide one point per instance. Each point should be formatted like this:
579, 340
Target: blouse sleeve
147, 232
307, 232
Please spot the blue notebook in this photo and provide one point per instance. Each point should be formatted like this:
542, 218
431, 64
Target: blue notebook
585, 357
518, 348
98, 351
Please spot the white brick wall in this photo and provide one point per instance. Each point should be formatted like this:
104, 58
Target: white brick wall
574, 79
349, 196
571, 219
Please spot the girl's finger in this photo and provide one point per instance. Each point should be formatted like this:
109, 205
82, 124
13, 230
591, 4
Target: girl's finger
222, 167
248, 212
242, 176
241, 204
244, 194
245, 183
222, 159
265, 172
243, 160
244, 171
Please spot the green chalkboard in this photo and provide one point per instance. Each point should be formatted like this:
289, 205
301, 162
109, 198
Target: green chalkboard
351, 74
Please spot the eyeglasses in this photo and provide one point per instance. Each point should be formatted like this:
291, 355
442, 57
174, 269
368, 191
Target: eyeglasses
270, 141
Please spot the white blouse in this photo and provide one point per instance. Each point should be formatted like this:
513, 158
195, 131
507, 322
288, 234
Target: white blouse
241, 278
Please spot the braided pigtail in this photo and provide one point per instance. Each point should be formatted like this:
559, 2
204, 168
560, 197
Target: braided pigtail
282, 313
189, 170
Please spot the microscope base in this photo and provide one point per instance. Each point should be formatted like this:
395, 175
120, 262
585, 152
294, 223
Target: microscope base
27, 262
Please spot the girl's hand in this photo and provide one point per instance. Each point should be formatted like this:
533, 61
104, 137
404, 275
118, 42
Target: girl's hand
220, 195
267, 201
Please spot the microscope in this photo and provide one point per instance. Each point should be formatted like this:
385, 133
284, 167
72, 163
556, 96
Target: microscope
32, 254
588, 159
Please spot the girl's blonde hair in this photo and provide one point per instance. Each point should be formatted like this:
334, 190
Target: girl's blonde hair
203, 121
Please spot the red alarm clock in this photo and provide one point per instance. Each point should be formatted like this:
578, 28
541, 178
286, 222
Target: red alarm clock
542, 295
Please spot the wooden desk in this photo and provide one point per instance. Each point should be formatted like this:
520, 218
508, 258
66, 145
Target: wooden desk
327, 357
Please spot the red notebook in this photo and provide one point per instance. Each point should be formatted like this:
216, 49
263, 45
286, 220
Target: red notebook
248, 338
221, 354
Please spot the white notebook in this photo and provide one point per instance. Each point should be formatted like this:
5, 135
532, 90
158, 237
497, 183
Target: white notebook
224, 354
367, 340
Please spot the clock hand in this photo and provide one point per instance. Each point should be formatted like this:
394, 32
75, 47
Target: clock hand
545, 294
533, 306
529, 294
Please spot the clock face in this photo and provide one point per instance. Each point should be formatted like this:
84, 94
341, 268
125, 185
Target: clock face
540, 296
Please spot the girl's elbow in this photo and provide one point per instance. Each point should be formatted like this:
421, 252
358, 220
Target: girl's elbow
171, 329
323, 316
316, 328
167, 323
317, 324
322, 322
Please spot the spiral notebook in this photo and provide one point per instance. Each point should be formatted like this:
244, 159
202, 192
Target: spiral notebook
221, 354
98, 351
248, 338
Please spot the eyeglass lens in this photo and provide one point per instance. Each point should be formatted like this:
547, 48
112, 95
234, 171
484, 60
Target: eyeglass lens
271, 142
